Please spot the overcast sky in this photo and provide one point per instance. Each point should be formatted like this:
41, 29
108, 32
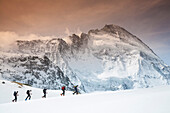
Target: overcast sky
147, 19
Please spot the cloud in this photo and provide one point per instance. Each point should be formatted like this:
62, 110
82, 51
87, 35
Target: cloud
68, 32
8, 38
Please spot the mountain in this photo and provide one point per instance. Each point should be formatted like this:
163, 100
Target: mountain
107, 59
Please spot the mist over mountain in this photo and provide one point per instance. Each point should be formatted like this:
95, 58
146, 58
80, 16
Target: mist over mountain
107, 59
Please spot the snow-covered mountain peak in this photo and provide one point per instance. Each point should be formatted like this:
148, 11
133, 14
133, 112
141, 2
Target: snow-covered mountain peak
112, 35
113, 30
107, 59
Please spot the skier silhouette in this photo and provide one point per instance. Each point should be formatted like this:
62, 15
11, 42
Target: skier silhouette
28, 94
15, 95
76, 90
45, 92
63, 89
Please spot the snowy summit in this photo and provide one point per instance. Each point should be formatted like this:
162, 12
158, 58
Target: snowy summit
106, 59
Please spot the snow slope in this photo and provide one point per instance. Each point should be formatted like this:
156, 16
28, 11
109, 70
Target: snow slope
8, 89
150, 100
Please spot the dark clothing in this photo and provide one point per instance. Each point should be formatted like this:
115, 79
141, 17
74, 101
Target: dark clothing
63, 89
15, 99
28, 95
45, 92
44, 95
63, 92
76, 90
15, 95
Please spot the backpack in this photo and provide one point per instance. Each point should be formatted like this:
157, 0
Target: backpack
27, 92
63, 88
75, 87
44, 90
15, 93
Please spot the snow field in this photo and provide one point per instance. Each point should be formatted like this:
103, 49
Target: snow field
151, 100
8, 89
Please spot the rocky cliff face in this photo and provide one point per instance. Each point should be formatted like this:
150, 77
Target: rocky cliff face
35, 71
107, 59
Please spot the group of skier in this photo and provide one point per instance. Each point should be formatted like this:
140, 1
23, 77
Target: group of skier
28, 92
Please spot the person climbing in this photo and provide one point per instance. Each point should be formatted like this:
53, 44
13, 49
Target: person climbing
15, 95
45, 92
63, 89
76, 90
28, 94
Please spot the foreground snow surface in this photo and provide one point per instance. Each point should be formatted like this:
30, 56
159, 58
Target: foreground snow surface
151, 100
7, 90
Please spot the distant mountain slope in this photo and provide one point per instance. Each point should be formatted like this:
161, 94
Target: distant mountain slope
107, 59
